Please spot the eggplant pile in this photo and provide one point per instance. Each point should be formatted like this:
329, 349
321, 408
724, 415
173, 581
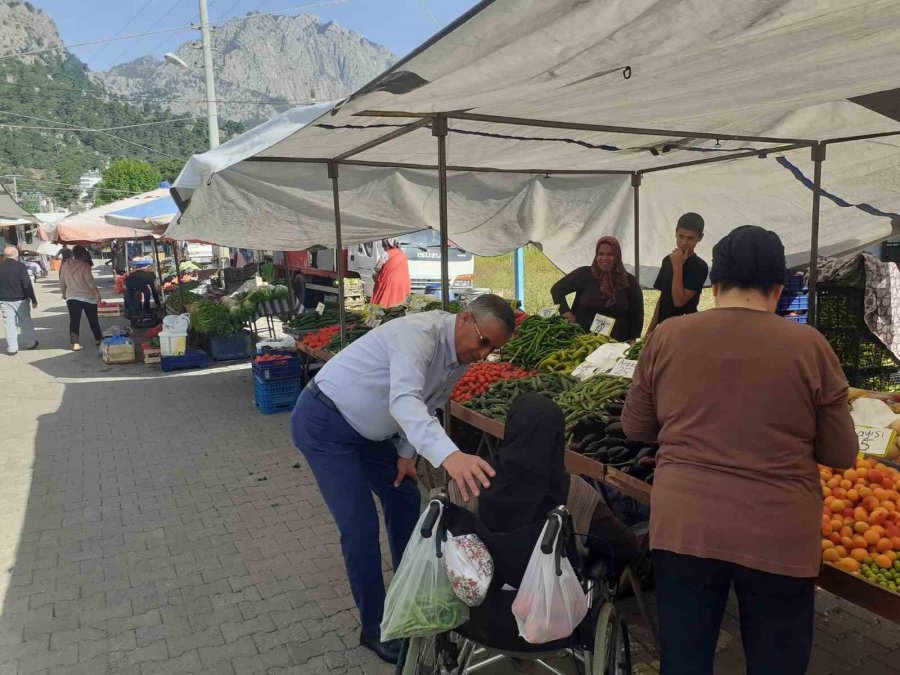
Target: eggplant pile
609, 445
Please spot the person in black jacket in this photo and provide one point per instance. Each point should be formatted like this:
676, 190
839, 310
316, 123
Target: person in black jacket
140, 285
603, 288
16, 300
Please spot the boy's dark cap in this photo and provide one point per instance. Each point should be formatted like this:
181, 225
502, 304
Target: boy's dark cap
691, 221
749, 257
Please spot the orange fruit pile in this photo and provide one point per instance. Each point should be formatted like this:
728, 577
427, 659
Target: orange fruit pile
861, 515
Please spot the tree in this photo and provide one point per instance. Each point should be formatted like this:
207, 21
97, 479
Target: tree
170, 168
124, 177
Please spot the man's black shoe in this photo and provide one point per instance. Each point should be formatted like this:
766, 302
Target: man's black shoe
34, 346
387, 651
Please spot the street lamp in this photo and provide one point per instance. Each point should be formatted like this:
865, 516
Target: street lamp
175, 60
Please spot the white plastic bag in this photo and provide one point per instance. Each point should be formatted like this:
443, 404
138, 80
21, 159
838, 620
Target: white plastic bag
420, 600
470, 568
176, 324
548, 607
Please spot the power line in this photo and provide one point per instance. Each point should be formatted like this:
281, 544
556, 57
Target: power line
427, 9
154, 25
104, 133
126, 126
23, 179
127, 23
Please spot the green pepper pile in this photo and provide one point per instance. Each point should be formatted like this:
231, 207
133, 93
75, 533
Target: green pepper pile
567, 359
587, 400
496, 401
537, 338
350, 335
634, 352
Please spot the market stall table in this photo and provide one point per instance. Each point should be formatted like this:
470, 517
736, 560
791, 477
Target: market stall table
844, 585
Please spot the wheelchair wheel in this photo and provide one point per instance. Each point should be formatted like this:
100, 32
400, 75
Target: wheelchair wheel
434, 655
612, 648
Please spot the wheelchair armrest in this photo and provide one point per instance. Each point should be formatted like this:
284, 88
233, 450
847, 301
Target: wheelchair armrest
595, 569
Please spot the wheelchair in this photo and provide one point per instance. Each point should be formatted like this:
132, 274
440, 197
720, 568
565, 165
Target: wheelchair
599, 645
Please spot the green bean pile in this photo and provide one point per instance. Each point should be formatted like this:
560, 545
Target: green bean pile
537, 338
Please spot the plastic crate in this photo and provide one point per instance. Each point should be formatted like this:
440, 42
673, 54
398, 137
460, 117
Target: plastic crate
798, 317
271, 370
793, 302
230, 347
840, 307
191, 359
875, 379
859, 349
276, 396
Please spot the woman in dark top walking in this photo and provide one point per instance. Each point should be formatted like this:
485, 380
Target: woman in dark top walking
604, 288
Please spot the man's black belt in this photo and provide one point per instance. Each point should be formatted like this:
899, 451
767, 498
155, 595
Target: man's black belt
317, 393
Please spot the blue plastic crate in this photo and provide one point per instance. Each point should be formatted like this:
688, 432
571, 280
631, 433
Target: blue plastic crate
793, 302
275, 396
192, 359
799, 318
278, 370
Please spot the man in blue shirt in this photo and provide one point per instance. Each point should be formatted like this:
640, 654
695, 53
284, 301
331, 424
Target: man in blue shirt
369, 411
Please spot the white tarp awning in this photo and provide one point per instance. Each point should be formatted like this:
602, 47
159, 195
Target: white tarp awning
702, 72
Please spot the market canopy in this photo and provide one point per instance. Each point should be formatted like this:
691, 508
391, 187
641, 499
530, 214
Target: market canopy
10, 211
555, 108
148, 211
92, 226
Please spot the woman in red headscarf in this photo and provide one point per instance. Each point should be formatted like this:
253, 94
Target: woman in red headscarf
392, 283
603, 288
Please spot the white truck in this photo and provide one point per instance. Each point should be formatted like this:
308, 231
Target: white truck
313, 272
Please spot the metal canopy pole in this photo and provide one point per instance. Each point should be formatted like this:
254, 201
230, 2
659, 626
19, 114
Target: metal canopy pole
162, 293
636, 190
439, 130
818, 156
519, 274
338, 248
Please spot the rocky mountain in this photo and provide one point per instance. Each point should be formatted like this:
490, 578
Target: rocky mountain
264, 64
24, 28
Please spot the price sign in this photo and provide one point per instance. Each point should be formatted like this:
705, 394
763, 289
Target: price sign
320, 308
603, 325
874, 442
373, 322
624, 368
584, 371
547, 312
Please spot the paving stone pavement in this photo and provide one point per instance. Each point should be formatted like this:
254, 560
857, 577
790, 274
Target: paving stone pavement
158, 524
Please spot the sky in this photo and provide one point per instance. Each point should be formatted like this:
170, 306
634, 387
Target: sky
399, 25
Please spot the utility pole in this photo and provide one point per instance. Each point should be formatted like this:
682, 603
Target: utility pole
212, 116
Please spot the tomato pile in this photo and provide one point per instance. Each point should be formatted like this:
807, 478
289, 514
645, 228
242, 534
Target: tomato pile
520, 317
482, 375
272, 358
321, 338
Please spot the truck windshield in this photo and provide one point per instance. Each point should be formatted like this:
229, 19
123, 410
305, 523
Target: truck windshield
424, 239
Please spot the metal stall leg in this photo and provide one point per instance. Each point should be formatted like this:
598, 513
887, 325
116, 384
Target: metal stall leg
818, 156
636, 190
439, 130
519, 275
339, 248
162, 292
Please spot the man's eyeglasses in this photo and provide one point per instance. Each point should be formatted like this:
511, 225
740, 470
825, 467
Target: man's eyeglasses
483, 341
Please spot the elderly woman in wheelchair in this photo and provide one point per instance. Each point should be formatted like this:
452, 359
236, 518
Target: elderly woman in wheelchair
534, 516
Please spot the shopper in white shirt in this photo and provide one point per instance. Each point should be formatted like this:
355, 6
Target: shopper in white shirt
369, 410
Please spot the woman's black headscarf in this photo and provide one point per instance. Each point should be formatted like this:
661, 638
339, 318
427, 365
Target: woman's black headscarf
531, 474
749, 257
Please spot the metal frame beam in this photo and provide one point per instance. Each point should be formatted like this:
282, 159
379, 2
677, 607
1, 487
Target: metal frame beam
374, 143
434, 167
552, 124
636, 190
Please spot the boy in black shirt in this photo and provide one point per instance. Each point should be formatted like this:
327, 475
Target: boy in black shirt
683, 273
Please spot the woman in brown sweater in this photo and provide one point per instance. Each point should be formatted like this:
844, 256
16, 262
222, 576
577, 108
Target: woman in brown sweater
743, 404
604, 288
79, 290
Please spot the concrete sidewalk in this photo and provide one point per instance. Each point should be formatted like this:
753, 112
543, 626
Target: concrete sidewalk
158, 524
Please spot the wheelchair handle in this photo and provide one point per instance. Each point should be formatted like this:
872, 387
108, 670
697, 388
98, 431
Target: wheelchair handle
434, 510
551, 534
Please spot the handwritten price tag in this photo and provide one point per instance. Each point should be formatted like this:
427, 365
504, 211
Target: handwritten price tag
584, 371
874, 442
624, 368
547, 312
603, 325
320, 308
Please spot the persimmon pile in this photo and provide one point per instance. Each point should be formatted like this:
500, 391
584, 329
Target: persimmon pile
861, 520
